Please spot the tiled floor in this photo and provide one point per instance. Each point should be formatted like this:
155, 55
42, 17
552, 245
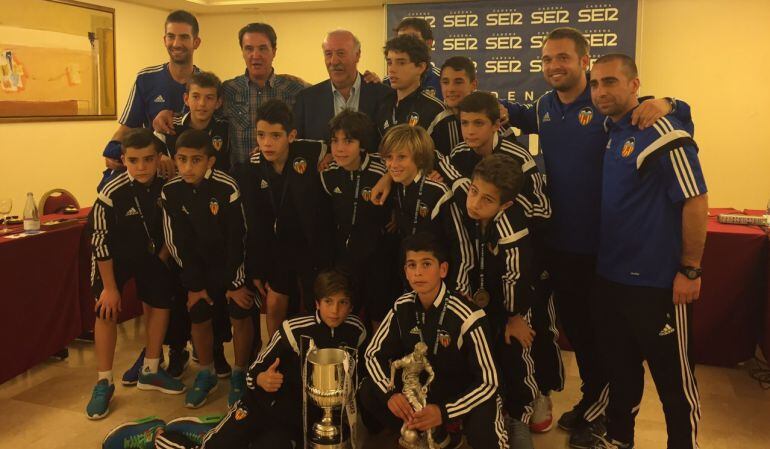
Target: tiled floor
44, 408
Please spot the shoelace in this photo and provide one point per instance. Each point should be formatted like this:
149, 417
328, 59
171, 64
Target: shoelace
101, 390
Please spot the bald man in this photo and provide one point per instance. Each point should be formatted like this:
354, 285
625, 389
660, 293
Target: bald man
345, 89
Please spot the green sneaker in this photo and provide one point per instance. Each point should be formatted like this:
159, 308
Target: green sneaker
205, 383
99, 405
160, 381
237, 385
193, 428
138, 434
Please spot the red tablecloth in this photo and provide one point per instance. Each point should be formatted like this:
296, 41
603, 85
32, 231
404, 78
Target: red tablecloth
46, 299
727, 317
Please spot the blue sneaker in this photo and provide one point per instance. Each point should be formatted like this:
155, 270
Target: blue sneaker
193, 428
160, 381
205, 383
237, 385
138, 434
99, 405
131, 376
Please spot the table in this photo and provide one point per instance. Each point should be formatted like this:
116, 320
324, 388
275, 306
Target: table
46, 300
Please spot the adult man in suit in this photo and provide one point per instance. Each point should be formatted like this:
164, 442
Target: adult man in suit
345, 88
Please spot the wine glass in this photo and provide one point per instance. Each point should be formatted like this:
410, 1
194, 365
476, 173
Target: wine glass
5, 208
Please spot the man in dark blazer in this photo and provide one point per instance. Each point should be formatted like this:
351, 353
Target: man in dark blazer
345, 88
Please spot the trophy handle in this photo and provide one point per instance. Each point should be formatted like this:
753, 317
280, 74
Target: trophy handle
305, 343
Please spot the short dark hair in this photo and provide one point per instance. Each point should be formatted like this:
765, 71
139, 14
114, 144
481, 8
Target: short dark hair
182, 16
483, 102
261, 28
418, 24
196, 139
503, 172
276, 111
424, 241
355, 125
460, 63
416, 49
205, 79
140, 138
331, 281
626, 62
581, 43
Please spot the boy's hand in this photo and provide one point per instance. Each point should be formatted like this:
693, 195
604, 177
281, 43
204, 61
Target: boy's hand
381, 190
271, 379
648, 112
166, 167
243, 297
518, 328
260, 286
108, 304
164, 122
399, 406
324, 163
194, 297
112, 164
503, 114
427, 418
371, 77
435, 177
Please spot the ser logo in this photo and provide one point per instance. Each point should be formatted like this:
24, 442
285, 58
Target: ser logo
537, 41
503, 43
535, 65
550, 16
507, 65
598, 15
461, 20
494, 19
460, 43
428, 18
602, 39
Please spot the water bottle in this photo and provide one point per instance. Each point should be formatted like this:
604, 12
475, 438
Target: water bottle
31, 216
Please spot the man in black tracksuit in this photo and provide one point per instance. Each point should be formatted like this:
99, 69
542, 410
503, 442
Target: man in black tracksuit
455, 333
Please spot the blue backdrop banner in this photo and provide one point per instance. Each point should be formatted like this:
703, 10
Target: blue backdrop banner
504, 37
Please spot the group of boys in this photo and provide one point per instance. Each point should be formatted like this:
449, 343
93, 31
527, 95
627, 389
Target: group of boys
442, 235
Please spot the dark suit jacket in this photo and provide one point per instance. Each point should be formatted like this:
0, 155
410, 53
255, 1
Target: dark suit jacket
314, 108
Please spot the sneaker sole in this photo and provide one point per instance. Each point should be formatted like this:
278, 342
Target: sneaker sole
203, 402
151, 387
103, 415
128, 383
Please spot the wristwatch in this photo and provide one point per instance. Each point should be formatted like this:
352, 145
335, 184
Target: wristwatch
691, 273
672, 103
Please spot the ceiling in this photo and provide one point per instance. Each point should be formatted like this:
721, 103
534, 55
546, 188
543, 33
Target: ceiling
251, 6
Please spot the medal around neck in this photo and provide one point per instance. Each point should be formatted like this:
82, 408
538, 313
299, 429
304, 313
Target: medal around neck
481, 298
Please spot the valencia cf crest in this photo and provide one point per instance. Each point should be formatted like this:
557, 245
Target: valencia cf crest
430, 90
240, 413
444, 338
300, 165
585, 115
214, 206
366, 194
216, 142
414, 119
628, 147
423, 210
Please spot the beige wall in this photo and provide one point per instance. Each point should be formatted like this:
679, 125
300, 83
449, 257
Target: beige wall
707, 52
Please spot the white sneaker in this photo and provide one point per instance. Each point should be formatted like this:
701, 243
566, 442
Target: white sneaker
542, 414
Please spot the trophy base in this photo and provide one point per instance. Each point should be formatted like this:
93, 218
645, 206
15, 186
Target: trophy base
320, 445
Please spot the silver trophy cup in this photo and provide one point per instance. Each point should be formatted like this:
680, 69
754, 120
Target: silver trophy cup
326, 387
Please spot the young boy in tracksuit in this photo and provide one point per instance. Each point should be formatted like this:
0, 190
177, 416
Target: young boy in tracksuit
288, 213
480, 122
269, 415
503, 282
205, 231
421, 204
456, 335
127, 242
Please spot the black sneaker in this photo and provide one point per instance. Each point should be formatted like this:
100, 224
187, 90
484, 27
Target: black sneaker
178, 359
571, 420
221, 366
587, 435
603, 443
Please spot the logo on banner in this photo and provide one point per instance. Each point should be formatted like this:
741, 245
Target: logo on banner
602, 39
503, 65
549, 16
460, 19
585, 115
503, 41
628, 147
461, 42
424, 16
598, 15
504, 18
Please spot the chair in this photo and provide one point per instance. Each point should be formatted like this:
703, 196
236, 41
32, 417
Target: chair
55, 200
